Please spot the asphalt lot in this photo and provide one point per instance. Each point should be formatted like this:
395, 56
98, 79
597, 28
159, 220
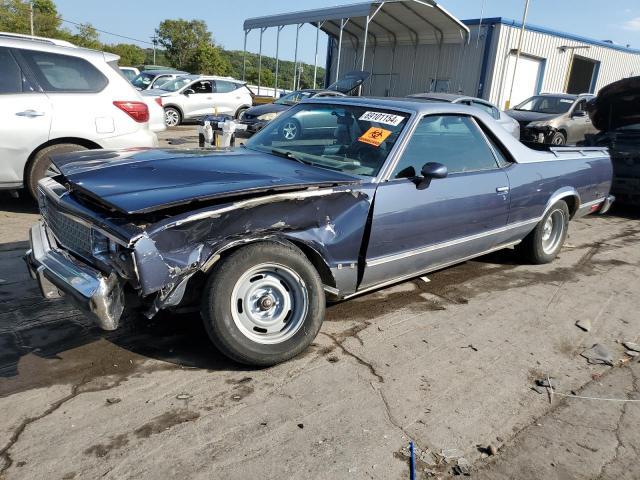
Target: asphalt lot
448, 364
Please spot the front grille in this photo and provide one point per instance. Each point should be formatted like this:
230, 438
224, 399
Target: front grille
69, 233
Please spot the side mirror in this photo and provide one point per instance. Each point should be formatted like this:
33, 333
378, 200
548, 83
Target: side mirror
188, 92
430, 171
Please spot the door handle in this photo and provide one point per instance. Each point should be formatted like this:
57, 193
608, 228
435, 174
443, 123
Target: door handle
30, 114
502, 189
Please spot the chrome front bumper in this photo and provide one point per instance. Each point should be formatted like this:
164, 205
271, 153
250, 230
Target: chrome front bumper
58, 273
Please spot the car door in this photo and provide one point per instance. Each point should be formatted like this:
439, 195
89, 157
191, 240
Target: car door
228, 98
416, 227
201, 101
25, 119
579, 123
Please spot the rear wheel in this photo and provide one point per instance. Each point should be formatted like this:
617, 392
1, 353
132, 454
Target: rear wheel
240, 112
41, 165
263, 304
172, 117
545, 242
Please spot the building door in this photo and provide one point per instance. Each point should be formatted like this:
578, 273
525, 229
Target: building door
527, 81
582, 75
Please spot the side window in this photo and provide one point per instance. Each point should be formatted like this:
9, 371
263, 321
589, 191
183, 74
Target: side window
485, 108
11, 78
64, 73
452, 140
581, 106
225, 87
203, 86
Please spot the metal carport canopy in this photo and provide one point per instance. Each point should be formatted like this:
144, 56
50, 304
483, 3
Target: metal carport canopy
390, 22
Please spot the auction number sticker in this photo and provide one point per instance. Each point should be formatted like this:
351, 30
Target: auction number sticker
384, 118
375, 136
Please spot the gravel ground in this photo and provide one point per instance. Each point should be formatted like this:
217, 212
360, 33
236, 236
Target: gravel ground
448, 364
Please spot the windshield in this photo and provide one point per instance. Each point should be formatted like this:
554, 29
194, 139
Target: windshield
546, 104
175, 84
293, 98
346, 138
142, 80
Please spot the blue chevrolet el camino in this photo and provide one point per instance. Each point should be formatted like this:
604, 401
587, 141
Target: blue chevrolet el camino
369, 192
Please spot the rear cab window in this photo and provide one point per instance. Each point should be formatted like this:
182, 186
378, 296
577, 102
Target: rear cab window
59, 73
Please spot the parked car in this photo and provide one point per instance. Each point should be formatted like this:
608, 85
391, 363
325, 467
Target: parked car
191, 97
130, 72
553, 118
149, 79
505, 121
616, 113
257, 117
57, 98
256, 237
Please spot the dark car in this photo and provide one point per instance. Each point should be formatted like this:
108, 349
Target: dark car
256, 238
553, 118
616, 113
257, 117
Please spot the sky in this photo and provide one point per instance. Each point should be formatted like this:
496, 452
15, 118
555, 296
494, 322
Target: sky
617, 20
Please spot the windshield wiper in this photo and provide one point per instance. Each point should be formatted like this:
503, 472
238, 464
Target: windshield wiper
289, 155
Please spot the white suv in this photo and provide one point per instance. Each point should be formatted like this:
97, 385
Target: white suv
57, 98
191, 97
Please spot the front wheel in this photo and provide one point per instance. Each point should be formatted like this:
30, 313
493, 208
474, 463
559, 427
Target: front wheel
263, 304
558, 139
545, 242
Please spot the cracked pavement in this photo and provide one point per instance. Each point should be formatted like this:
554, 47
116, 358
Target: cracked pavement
448, 364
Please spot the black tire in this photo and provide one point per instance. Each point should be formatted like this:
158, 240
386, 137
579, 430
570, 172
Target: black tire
172, 117
291, 130
40, 166
532, 248
221, 302
558, 138
240, 111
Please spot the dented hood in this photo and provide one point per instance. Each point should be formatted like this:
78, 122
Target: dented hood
141, 181
617, 105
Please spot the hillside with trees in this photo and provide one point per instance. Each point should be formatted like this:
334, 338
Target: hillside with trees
183, 44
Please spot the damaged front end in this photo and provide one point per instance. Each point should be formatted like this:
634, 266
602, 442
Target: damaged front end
106, 261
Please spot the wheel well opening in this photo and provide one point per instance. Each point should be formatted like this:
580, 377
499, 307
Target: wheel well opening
572, 203
57, 141
318, 262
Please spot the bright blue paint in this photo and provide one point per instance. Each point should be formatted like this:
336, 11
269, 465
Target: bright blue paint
536, 28
485, 60
594, 77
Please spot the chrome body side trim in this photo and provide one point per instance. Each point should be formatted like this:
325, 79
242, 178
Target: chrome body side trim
430, 248
430, 269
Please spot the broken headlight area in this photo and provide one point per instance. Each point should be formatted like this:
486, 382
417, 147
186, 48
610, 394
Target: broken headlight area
536, 133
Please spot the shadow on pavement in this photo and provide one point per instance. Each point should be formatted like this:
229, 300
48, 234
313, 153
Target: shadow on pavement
23, 204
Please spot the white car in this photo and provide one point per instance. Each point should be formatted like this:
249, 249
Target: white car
57, 98
130, 72
191, 97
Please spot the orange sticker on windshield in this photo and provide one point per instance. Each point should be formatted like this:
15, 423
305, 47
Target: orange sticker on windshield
375, 136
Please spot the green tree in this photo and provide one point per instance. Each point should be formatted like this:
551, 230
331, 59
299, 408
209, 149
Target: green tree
15, 17
130, 55
87, 36
181, 40
207, 59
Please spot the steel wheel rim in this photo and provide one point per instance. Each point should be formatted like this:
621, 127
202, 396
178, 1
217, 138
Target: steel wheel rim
558, 140
269, 303
290, 130
552, 231
171, 118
